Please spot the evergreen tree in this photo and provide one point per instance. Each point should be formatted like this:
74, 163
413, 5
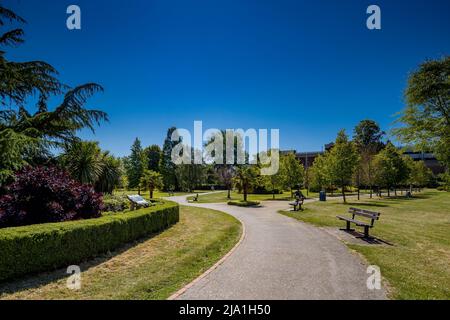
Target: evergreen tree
135, 165
166, 166
153, 154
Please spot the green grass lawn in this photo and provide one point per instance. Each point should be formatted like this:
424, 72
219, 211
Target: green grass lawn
153, 268
417, 265
156, 193
221, 196
235, 196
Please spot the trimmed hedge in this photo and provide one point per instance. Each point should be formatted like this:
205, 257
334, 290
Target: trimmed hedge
44, 247
243, 203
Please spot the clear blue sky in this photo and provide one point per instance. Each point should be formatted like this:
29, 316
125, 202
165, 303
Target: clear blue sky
308, 68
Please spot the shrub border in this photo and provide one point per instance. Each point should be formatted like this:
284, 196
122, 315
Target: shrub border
241, 203
45, 247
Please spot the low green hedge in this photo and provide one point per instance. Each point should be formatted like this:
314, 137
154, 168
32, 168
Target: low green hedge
243, 203
44, 247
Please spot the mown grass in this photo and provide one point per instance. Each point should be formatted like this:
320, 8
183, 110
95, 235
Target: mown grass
222, 196
156, 194
153, 268
417, 263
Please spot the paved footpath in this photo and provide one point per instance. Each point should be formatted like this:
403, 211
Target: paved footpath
282, 258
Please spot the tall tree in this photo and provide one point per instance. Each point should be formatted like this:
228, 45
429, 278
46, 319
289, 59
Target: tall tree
19, 80
420, 175
368, 140
135, 165
190, 175
274, 182
24, 137
292, 171
245, 177
343, 159
166, 166
225, 175
151, 180
391, 168
319, 173
153, 154
226, 171
426, 118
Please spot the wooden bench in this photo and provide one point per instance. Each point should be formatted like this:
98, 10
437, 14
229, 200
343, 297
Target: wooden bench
360, 213
297, 204
137, 202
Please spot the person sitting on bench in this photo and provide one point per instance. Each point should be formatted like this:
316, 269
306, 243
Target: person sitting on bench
299, 199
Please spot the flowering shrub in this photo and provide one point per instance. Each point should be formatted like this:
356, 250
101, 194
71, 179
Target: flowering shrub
41, 195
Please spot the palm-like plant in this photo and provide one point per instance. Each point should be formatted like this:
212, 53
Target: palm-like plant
88, 164
82, 161
151, 180
110, 175
245, 177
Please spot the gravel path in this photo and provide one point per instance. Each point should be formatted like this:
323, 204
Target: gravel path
282, 258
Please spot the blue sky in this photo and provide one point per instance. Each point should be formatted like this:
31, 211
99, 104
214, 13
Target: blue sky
308, 68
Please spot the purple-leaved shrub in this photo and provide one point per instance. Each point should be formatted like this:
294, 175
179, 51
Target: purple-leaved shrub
47, 194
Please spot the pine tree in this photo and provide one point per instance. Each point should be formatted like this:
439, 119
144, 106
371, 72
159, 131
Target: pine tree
153, 154
135, 165
166, 166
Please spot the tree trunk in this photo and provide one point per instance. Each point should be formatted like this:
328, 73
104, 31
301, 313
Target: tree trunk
273, 194
229, 193
395, 192
343, 194
358, 193
371, 190
245, 193
151, 193
389, 192
139, 190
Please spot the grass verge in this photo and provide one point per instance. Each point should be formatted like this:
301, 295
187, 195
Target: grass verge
152, 268
416, 263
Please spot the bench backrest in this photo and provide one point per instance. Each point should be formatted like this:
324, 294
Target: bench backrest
365, 213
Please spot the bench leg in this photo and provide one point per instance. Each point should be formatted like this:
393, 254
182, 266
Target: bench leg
366, 232
348, 227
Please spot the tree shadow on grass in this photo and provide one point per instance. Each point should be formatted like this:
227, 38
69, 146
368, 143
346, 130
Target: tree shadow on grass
368, 204
34, 281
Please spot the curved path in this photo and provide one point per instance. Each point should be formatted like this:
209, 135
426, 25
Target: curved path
282, 258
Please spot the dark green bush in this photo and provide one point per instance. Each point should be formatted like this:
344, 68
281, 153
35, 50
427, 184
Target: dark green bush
44, 247
243, 203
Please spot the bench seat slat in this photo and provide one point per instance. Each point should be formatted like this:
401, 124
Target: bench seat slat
358, 223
